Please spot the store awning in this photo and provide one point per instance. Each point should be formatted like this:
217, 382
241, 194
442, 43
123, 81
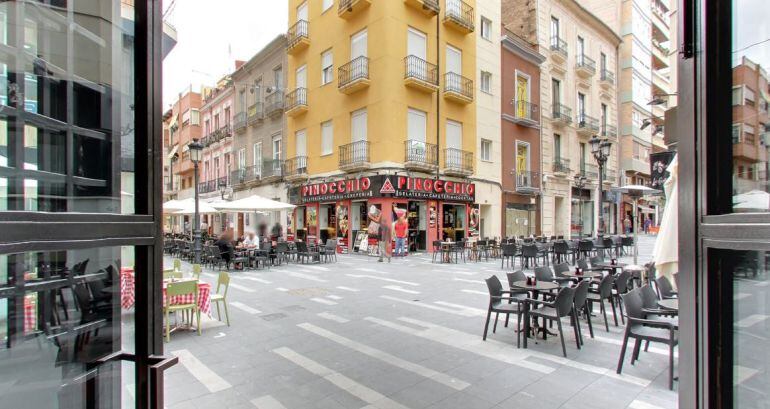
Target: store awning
173, 151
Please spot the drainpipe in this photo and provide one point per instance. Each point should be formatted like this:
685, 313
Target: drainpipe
438, 94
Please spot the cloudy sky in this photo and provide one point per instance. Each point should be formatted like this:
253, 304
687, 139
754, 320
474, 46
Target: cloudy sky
214, 33
751, 31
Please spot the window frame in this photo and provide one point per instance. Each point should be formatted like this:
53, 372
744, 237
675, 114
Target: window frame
485, 33
328, 70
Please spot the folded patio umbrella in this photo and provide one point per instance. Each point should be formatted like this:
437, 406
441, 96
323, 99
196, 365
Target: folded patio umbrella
666, 250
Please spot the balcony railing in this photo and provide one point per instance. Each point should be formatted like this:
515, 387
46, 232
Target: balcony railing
526, 112
609, 131
269, 169
420, 73
298, 36
217, 135
458, 88
588, 170
527, 181
561, 165
353, 75
296, 101
213, 185
559, 48
460, 15
295, 167
348, 8
354, 155
458, 162
607, 78
239, 121
256, 112
585, 65
274, 103
420, 155
429, 7
561, 113
587, 124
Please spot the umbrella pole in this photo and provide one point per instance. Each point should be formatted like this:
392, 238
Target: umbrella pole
634, 226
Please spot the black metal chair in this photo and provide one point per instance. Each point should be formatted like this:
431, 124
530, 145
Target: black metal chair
437, 250
544, 273
558, 272
620, 287
586, 248
581, 306
665, 290
303, 252
628, 243
498, 305
554, 310
509, 254
513, 277
617, 245
529, 252
562, 252
602, 293
458, 250
641, 329
329, 250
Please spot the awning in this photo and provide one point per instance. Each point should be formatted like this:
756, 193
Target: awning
173, 151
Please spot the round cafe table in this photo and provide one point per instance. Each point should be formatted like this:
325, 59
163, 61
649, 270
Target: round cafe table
604, 265
670, 304
536, 288
584, 274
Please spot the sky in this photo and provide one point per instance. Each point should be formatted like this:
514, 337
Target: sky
750, 26
212, 34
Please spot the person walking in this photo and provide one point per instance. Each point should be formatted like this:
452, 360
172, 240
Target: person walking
400, 228
627, 224
383, 233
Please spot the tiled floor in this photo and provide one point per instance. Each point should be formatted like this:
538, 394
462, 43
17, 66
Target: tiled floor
406, 334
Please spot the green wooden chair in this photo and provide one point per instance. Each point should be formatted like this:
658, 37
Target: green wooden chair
177, 264
177, 289
196, 271
221, 296
169, 274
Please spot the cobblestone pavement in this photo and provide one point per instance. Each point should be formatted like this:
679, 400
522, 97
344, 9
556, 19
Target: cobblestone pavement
407, 334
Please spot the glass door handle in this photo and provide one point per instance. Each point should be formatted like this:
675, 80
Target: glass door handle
158, 364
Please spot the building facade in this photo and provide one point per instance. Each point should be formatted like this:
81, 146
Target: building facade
184, 125
579, 90
750, 100
520, 160
259, 125
383, 94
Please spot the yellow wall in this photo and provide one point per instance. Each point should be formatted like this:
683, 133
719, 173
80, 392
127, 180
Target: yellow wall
387, 99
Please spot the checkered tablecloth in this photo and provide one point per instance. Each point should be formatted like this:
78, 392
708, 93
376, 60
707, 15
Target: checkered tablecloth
127, 289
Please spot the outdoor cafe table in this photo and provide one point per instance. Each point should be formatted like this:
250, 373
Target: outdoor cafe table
608, 266
127, 295
446, 249
670, 304
536, 288
584, 274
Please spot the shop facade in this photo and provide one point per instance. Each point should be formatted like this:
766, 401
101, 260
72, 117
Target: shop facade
436, 209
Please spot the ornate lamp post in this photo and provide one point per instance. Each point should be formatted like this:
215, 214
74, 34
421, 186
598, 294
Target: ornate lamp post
580, 183
600, 148
196, 152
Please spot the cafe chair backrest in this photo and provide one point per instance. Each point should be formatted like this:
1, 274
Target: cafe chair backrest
515, 276
563, 301
605, 286
543, 273
634, 304
560, 268
581, 293
649, 297
495, 288
182, 288
621, 283
582, 263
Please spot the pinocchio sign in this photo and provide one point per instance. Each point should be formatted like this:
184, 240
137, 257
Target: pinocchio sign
389, 186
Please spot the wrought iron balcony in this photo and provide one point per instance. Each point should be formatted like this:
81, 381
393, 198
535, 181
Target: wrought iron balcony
268, 170
527, 181
587, 125
609, 131
298, 37
295, 168
213, 185
458, 162
526, 113
349, 8
274, 103
610, 175
420, 74
561, 166
239, 121
458, 88
354, 156
585, 66
607, 79
296, 102
256, 112
217, 135
559, 49
354, 75
428, 7
561, 114
589, 171
420, 156
459, 15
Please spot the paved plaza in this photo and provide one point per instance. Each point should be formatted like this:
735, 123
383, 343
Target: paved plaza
406, 334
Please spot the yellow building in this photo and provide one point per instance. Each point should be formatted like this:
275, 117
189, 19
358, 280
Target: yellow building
368, 84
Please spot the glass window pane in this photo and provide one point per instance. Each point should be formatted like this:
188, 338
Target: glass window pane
67, 106
750, 97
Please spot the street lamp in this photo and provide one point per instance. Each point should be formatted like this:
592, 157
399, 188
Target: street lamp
196, 152
600, 148
580, 183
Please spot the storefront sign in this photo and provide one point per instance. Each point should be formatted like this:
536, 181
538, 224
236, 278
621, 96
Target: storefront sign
389, 186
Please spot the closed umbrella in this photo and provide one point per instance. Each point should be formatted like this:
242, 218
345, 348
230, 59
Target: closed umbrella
666, 250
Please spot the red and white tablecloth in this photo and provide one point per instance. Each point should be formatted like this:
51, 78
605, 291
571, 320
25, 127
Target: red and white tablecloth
127, 289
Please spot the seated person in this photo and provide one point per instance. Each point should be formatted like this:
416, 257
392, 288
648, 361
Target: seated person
251, 241
225, 247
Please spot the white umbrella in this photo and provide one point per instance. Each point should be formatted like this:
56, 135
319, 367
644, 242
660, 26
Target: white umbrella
173, 205
636, 191
188, 207
252, 203
666, 250
755, 200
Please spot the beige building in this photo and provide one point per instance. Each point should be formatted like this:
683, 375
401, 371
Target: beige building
579, 98
259, 127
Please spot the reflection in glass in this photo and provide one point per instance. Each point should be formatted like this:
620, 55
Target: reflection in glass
66, 106
751, 329
750, 100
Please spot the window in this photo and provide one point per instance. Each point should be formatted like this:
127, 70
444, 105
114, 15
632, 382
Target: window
327, 4
486, 150
522, 160
604, 116
581, 108
557, 146
555, 31
257, 152
582, 157
737, 95
580, 49
242, 158
486, 28
195, 117
278, 77
748, 95
486, 80
417, 125
555, 92
603, 62
327, 67
636, 119
327, 138
300, 140
748, 134
277, 148
358, 125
